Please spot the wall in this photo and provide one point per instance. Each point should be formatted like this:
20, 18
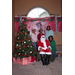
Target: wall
53, 6
23, 6
13, 27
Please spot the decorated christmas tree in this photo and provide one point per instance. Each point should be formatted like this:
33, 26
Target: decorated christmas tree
24, 46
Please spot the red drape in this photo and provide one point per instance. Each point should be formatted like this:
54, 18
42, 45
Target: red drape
17, 24
59, 25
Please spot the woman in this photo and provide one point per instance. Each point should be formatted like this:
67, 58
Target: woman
49, 32
34, 38
53, 45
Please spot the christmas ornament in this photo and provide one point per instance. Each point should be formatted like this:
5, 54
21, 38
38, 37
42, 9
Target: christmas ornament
18, 53
16, 44
25, 33
24, 42
19, 45
17, 34
18, 38
25, 53
30, 51
27, 46
23, 45
22, 50
19, 48
31, 46
23, 27
24, 37
28, 40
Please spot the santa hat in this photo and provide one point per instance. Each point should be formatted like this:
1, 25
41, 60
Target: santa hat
42, 34
40, 29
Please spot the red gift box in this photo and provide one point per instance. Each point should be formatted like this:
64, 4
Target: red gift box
33, 58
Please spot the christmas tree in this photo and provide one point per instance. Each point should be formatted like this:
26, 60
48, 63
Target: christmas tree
24, 46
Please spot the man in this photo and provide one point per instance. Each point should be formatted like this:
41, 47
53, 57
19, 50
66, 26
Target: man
40, 33
44, 48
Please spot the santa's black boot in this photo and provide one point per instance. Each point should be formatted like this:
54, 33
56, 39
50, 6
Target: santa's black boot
47, 59
43, 58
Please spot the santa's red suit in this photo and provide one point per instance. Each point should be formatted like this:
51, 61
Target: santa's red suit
45, 45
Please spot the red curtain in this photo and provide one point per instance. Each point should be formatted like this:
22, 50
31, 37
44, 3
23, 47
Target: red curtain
52, 24
59, 24
17, 24
50, 20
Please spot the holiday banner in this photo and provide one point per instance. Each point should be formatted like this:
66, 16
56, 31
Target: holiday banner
37, 25
42, 22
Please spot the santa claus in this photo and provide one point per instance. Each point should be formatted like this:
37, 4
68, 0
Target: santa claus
44, 49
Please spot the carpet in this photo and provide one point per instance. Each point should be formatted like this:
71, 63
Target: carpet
36, 68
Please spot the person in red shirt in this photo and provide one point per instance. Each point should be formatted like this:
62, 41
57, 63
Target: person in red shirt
40, 33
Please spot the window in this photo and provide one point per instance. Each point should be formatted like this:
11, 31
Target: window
38, 12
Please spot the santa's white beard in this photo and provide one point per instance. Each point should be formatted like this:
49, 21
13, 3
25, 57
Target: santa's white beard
43, 41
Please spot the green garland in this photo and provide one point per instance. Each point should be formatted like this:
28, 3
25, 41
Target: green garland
17, 20
51, 19
59, 19
33, 20
25, 20
42, 19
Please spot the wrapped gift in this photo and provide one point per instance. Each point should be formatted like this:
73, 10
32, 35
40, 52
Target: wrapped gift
19, 60
14, 60
24, 61
33, 59
29, 60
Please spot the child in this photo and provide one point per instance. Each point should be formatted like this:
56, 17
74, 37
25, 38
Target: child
40, 33
53, 45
